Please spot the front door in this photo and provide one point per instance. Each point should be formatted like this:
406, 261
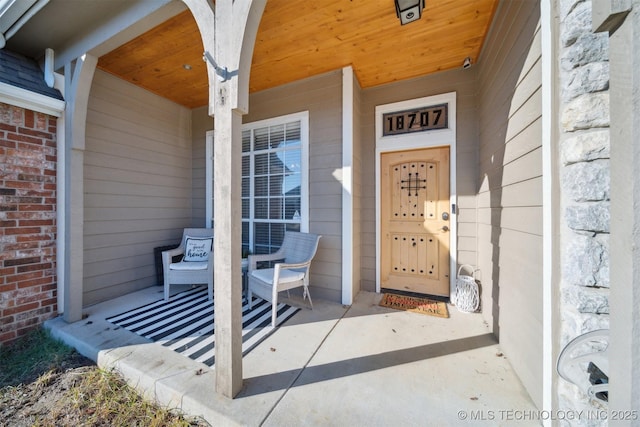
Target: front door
414, 221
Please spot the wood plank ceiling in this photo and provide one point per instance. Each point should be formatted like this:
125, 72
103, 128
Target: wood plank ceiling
300, 38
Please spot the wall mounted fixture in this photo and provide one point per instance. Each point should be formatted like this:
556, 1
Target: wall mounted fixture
409, 10
223, 73
467, 63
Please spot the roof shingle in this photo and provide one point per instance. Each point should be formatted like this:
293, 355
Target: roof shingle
20, 71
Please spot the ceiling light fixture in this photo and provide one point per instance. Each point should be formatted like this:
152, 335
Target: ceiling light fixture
186, 67
409, 10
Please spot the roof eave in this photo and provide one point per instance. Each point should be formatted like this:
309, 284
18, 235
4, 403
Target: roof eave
19, 97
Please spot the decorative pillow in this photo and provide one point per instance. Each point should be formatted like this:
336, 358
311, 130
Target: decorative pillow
197, 248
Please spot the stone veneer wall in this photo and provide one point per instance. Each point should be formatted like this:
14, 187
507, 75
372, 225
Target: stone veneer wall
584, 175
27, 220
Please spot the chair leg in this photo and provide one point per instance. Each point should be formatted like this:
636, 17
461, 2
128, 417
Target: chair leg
166, 282
250, 298
307, 294
274, 310
210, 291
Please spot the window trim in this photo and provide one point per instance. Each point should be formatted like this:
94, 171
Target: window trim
303, 117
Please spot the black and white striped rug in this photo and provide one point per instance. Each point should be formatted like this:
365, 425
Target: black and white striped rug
185, 323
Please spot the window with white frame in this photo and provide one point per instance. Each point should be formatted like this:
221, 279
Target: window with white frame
274, 181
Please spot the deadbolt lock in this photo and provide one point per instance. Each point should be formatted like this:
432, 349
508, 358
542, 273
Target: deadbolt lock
445, 215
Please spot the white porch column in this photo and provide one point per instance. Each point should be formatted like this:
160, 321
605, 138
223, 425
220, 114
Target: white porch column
78, 78
228, 248
228, 37
227, 210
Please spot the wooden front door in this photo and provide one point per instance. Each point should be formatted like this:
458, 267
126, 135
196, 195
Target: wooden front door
414, 221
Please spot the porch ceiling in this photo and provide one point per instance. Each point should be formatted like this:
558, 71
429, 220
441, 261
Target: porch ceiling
296, 39
300, 38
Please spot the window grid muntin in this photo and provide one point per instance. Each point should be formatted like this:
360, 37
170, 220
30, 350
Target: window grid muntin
265, 143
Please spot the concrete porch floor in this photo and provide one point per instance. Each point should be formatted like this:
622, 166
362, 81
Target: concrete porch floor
363, 365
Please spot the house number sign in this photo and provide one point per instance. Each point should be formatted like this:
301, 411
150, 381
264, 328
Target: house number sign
416, 120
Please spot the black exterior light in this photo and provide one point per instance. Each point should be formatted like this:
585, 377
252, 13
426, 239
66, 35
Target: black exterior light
409, 10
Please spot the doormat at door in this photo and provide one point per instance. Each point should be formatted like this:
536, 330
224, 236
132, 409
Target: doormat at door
415, 305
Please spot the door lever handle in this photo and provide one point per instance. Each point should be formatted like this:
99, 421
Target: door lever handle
445, 228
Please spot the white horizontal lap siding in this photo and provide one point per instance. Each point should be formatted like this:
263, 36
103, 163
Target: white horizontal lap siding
466, 183
137, 184
321, 96
509, 202
201, 122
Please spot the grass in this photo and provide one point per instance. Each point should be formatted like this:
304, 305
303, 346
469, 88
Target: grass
30, 356
102, 396
47, 383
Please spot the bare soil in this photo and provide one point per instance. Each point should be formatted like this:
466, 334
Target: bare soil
74, 392
34, 401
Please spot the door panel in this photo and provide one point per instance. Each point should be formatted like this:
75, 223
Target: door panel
415, 221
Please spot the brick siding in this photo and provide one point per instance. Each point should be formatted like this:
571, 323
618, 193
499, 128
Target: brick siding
27, 220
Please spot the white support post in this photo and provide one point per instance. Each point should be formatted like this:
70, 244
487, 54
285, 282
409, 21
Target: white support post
228, 35
227, 176
78, 78
347, 186
227, 251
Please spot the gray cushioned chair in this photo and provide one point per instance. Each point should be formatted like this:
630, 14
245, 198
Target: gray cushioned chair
295, 254
196, 266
